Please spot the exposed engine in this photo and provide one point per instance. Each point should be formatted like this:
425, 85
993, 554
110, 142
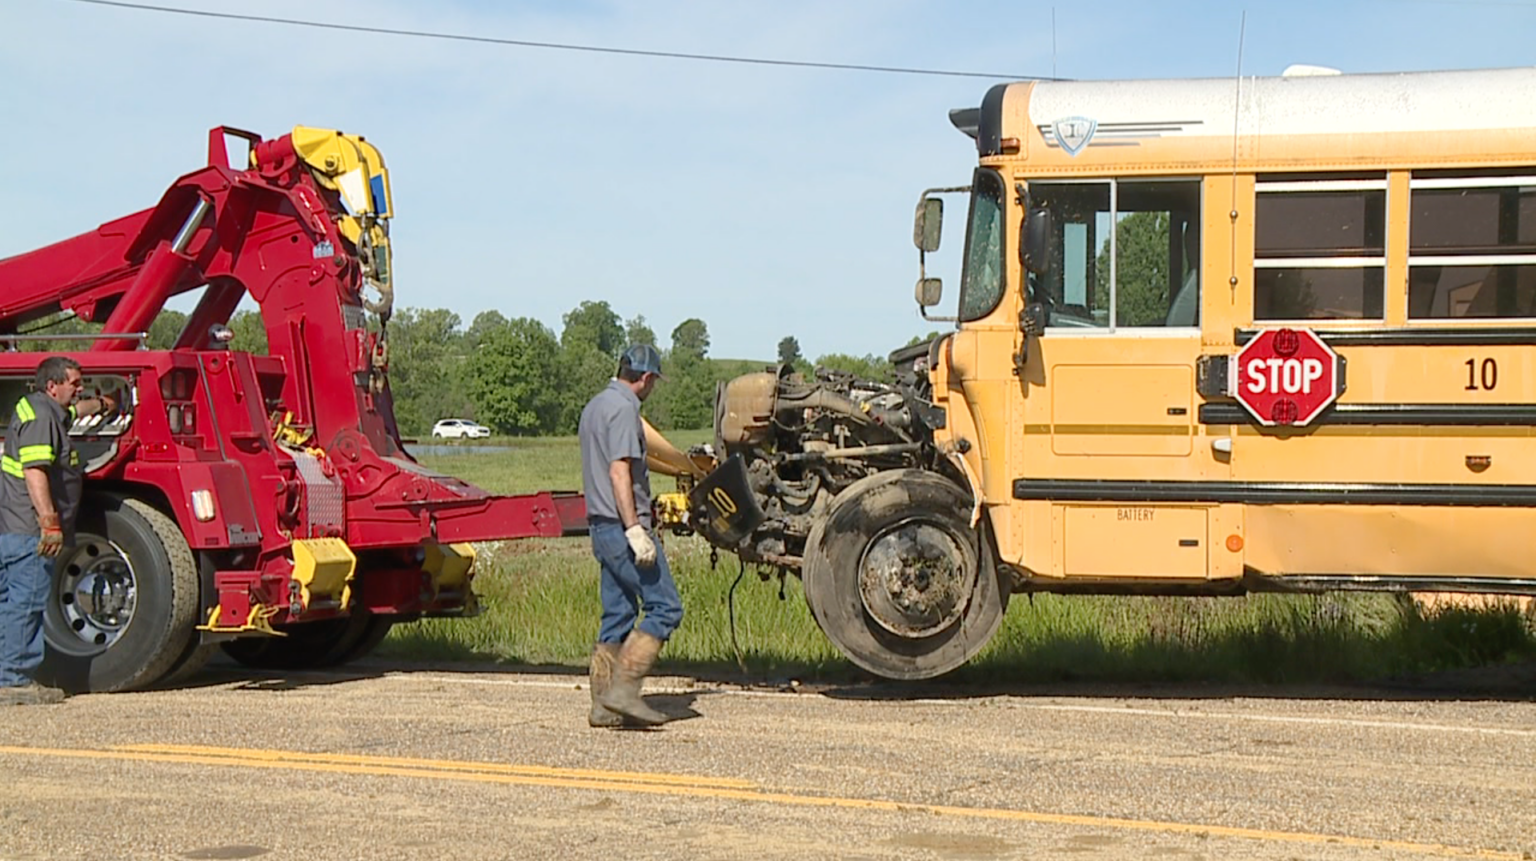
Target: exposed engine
803, 441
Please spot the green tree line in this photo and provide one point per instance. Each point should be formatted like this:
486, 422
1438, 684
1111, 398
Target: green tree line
516, 375
519, 377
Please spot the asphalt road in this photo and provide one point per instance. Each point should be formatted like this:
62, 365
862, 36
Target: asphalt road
477, 763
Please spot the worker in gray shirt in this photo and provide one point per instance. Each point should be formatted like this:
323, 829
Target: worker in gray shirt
40, 489
634, 571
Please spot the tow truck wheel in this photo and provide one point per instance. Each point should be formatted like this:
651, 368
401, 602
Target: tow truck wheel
192, 661
374, 634
312, 645
123, 609
898, 580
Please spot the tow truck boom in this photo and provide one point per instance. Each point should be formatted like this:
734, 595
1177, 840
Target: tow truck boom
238, 496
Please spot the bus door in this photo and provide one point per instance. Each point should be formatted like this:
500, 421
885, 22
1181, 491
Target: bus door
1107, 409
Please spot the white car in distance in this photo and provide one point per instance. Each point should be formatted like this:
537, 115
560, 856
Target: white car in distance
459, 429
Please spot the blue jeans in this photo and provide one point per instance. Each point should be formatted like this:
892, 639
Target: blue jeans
627, 589
25, 578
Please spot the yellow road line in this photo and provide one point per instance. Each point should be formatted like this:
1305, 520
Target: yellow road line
437, 764
701, 788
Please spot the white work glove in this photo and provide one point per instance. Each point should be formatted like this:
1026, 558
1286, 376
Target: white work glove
640, 542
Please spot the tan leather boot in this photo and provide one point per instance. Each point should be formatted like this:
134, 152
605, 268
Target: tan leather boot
635, 660
604, 656
31, 694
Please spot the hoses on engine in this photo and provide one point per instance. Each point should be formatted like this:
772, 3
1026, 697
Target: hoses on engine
798, 494
893, 421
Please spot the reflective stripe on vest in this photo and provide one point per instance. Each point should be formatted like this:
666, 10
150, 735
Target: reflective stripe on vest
31, 454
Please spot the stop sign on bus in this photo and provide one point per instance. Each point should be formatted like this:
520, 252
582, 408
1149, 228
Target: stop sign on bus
1286, 376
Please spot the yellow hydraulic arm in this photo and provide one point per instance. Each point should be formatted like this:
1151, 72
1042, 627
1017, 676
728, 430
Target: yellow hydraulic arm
353, 167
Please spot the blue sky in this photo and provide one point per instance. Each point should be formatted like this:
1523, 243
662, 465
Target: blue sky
766, 201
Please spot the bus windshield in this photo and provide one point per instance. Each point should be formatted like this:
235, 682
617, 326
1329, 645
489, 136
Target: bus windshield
981, 281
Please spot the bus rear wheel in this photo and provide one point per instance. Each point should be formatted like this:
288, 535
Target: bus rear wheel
898, 580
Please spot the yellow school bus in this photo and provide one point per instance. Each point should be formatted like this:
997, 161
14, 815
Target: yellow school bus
1211, 337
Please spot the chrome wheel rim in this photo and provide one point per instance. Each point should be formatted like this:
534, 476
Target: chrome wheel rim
95, 595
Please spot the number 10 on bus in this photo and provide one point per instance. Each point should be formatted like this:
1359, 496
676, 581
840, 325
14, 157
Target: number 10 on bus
1482, 376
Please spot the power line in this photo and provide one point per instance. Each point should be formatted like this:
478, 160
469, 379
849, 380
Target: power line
557, 46
1507, 4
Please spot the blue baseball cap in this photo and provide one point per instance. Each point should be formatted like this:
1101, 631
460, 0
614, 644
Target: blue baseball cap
642, 358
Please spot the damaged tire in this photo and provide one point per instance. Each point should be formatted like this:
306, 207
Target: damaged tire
898, 580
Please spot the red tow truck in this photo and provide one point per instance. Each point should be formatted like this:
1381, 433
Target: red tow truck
262, 504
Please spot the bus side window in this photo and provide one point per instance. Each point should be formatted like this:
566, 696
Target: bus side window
1074, 290
1184, 309
1320, 248
1128, 253
1472, 244
1157, 253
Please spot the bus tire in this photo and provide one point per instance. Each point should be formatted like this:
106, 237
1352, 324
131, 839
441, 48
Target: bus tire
898, 580
122, 612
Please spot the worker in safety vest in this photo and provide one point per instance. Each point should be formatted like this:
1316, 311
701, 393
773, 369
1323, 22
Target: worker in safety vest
40, 485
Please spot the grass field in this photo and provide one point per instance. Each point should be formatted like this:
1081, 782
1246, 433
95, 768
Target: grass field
540, 607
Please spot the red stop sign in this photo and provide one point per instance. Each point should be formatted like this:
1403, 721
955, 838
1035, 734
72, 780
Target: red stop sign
1286, 376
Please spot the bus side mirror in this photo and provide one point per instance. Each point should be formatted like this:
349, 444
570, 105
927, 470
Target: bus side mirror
1035, 237
927, 224
1034, 318
929, 291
